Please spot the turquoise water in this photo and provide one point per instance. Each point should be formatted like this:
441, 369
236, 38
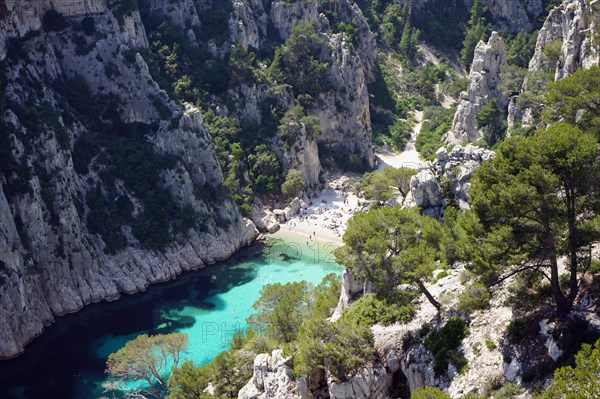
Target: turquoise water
210, 305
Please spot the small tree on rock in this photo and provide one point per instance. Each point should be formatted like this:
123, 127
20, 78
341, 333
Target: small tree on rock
293, 184
390, 246
148, 358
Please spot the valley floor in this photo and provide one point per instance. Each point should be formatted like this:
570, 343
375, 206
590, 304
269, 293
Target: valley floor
327, 215
409, 158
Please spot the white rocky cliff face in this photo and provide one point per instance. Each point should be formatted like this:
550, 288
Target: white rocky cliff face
51, 264
484, 80
575, 24
456, 168
344, 114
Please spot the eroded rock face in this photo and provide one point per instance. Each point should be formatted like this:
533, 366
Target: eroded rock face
51, 264
62, 266
272, 379
344, 114
456, 167
285, 15
575, 24
351, 288
484, 80
248, 23
349, 12
22, 16
369, 382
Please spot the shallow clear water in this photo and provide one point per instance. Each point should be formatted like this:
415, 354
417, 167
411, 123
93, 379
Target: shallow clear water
211, 304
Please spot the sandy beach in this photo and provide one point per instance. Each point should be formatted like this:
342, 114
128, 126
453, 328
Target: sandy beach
327, 215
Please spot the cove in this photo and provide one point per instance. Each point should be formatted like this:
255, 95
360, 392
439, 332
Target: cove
209, 304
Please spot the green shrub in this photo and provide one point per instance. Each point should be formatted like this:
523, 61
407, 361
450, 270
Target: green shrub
436, 122
444, 342
53, 21
399, 133
441, 275
370, 310
428, 393
490, 344
245, 210
88, 25
474, 297
518, 330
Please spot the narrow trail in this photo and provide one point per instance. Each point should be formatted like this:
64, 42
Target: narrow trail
409, 158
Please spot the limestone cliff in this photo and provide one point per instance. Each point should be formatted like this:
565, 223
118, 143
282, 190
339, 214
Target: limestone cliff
285, 14
574, 26
455, 168
344, 114
52, 262
86, 108
484, 80
512, 15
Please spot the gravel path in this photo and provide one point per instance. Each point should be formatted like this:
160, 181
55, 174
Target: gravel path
409, 157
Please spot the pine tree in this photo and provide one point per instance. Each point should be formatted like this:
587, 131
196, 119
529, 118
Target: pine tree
478, 29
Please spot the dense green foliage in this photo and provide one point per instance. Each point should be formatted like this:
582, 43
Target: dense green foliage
298, 62
444, 342
390, 246
293, 184
281, 308
574, 100
547, 184
384, 184
443, 22
478, 29
428, 393
491, 120
370, 310
437, 121
581, 381
294, 315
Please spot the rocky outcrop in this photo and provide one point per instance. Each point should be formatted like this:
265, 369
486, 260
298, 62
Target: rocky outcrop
285, 14
349, 12
514, 15
265, 220
369, 382
351, 288
248, 23
304, 156
19, 17
184, 14
575, 24
272, 379
456, 168
484, 80
344, 114
50, 262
